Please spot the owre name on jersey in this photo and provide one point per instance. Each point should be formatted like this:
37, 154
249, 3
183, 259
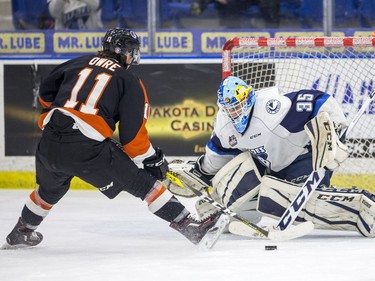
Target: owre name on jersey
105, 63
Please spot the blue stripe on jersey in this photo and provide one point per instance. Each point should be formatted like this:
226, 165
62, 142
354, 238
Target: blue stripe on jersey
215, 145
319, 102
294, 119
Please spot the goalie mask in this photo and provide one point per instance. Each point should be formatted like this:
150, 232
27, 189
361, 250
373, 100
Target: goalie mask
122, 42
236, 99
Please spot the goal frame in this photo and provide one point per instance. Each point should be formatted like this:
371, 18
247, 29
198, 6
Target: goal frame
245, 44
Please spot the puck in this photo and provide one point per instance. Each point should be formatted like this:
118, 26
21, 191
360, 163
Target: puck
270, 248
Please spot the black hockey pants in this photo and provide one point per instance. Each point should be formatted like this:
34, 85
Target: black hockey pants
64, 152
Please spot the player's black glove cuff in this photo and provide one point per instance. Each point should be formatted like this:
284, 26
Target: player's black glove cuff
198, 166
156, 164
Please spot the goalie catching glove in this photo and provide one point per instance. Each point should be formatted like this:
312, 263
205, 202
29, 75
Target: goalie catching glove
327, 150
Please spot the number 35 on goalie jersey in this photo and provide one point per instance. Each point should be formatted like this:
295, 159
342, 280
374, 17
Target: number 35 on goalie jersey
98, 93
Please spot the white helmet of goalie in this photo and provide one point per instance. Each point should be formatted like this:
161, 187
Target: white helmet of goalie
236, 99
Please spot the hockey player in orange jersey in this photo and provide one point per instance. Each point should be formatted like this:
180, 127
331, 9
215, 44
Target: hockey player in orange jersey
83, 99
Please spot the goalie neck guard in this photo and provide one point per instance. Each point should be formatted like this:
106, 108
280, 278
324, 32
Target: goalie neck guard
236, 99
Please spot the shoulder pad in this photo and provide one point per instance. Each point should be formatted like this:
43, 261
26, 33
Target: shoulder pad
271, 107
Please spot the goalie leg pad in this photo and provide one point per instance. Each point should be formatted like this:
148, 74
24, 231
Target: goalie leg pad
234, 186
328, 208
275, 195
366, 221
237, 182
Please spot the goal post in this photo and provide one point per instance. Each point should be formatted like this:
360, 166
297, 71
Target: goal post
341, 66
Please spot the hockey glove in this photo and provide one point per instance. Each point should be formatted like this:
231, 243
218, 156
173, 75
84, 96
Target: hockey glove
198, 166
156, 164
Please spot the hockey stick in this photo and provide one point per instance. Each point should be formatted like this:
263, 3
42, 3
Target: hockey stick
317, 176
276, 235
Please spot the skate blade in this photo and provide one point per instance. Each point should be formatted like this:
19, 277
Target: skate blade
7, 246
213, 235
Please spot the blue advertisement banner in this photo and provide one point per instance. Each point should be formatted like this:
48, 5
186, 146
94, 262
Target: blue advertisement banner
206, 43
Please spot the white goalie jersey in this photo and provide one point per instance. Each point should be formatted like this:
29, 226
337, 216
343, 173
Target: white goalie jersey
275, 135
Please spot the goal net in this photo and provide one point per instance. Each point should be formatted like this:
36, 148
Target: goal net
342, 67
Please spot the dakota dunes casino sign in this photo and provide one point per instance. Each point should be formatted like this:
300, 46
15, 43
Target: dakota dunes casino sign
188, 119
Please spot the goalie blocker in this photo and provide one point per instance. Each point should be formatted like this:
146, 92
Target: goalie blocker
331, 208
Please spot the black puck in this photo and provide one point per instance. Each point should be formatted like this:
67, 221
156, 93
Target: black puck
270, 248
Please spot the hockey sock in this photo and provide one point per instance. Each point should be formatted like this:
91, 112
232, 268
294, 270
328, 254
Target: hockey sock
35, 210
163, 204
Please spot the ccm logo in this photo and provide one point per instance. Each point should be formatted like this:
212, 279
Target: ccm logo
106, 187
336, 198
299, 202
329, 134
366, 204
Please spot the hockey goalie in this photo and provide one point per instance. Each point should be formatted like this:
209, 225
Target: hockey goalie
264, 146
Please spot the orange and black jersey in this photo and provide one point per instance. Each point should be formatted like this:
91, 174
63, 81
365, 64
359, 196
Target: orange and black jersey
98, 93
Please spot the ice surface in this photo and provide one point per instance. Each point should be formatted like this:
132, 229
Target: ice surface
89, 237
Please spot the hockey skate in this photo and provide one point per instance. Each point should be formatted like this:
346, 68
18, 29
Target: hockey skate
22, 237
204, 233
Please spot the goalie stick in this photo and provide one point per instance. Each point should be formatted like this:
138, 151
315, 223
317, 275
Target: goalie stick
251, 230
313, 181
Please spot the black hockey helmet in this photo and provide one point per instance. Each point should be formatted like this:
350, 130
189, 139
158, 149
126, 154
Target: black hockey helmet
122, 42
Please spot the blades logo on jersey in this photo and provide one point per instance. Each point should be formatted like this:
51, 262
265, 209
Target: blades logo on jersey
261, 154
273, 106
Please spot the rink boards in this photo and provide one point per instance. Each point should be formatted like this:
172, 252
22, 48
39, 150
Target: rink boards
184, 106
